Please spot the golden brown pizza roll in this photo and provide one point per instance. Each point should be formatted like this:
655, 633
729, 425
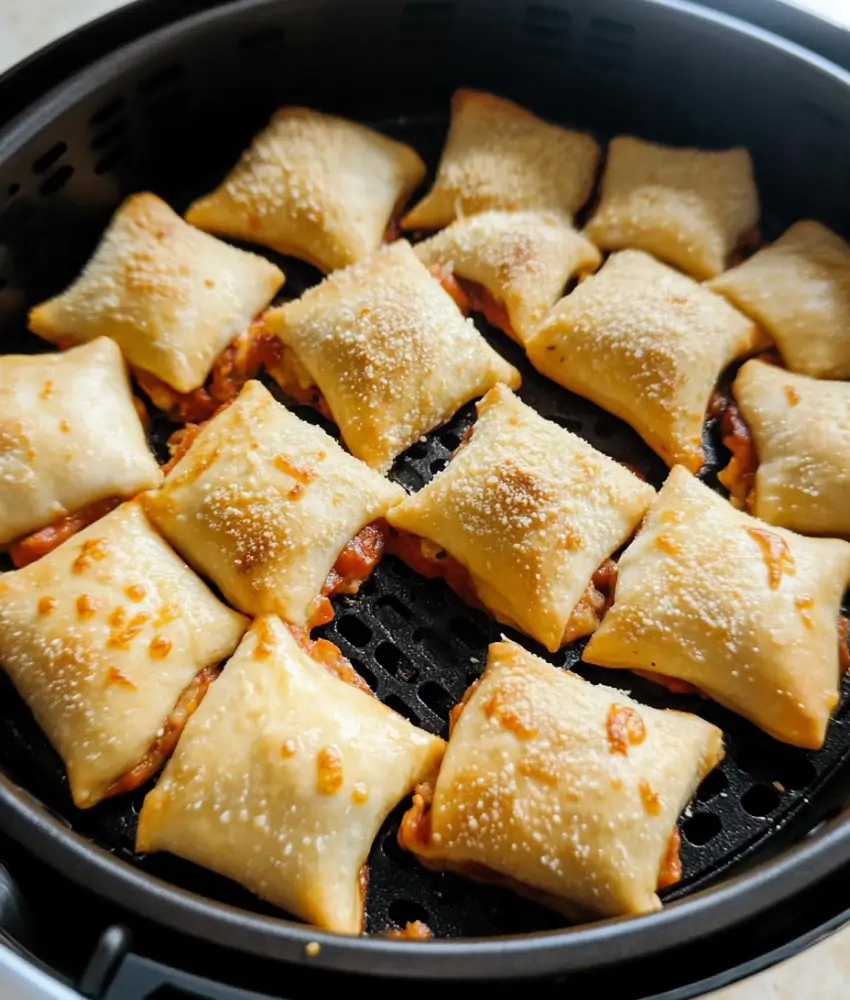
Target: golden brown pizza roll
512, 266
498, 155
283, 778
317, 187
742, 610
530, 511
170, 296
690, 207
564, 790
111, 640
69, 436
389, 350
796, 433
798, 289
263, 504
648, 345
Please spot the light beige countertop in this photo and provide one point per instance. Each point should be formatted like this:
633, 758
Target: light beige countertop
822, 972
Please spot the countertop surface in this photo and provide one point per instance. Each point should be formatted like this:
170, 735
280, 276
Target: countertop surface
820, 973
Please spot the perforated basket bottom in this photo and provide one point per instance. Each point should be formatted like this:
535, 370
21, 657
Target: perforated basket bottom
419, 647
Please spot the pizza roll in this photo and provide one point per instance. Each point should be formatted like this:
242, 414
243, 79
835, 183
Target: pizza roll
512, 266
647, 344
170, 296
530, 511
743, 611
796, 432
389, 350
798, 289
283, 778
112, 641
563, 790
264, 503
498, 155
69, 436
690, 207
317, 187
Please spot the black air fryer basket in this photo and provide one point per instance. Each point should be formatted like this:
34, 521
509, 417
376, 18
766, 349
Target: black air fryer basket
171, 113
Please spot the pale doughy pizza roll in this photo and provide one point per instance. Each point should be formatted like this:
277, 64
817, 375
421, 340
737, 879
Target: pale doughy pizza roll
70, 436
315, 186
563, 790
389, 350
264, 504
742, 610
797, 431
798, 289
512, 266
283, 778
170, 296
498, 155
690, 207
530, 511
112, 641
648, 344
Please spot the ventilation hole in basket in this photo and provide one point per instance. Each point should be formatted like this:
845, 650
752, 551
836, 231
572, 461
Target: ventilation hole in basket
365, 673
112, 159
416, 451
437, 698
438, 465
163, 80
397, 705
3, 283
426, 23
432, 643
46, 160
547, 27
58, 180
822, 114
714, 784
605, 428
391, 611
760, 800
388, 656
263, 43
108, 111
450, 440
701, 828
12, 190
469, 632
107, 137
404, 911
356, 631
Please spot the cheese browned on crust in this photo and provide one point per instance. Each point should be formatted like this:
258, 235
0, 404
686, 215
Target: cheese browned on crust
531, 511
690, 207
262, 503
523, 259
798, 289
70, 436
389, 350
571, 790
101, 637
801, 431
315, 186
283, 778
170, 296
498, 155
742, 610
647, 344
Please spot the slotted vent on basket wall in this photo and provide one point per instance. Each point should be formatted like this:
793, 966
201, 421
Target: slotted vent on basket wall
427, 25
547, 27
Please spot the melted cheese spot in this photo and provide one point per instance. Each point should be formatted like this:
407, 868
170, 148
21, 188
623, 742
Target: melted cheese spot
329, 775
47, 605
624, 728
777, 555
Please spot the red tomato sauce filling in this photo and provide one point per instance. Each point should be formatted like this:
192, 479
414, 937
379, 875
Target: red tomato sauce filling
27, 550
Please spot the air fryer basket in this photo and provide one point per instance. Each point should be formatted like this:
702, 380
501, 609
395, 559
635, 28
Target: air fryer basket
170, 114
